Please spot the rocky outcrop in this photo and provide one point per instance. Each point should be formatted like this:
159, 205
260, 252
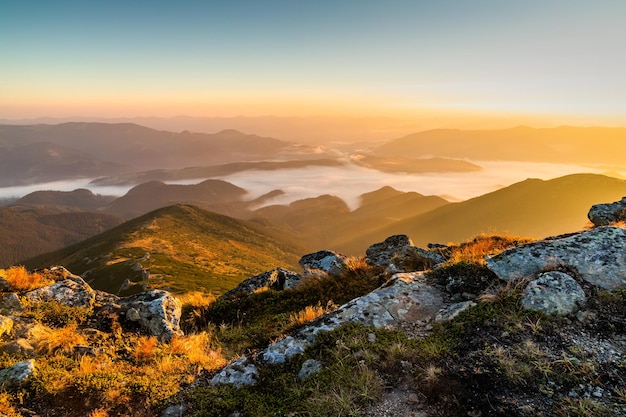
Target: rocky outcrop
597, 256
605, 214
554, 293
72, 291
156, 310
276, 279
397, 250
324, 260
405, 298
241, 372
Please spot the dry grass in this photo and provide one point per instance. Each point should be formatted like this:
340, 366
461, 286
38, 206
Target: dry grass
19, 279
309, 313
198, 349
61, 340
145, 349
196, 299
99, 412
6, 409
482, 246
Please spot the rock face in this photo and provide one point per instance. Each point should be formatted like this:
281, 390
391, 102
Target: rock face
554, 293
18, 374
405, 298
598, 256
155, 310
324, 260
605, 214
72, 292
276, 279
399, 248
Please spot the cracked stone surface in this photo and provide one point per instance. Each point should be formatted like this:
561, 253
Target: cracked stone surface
597, 256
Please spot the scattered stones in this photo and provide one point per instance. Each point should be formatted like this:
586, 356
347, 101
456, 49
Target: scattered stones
598, 256
325, 260
241, 372
554, 293
309, 368
18, 374
605, 214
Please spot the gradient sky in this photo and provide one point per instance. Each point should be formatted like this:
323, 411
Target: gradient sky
558, 58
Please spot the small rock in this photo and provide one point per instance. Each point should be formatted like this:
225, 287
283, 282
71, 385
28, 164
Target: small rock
605, 214
19, 346
597, 392
18, 374
554, 293
157, 311
309, 368
177, 410
237, 373
324, 260
11, 303
371, 337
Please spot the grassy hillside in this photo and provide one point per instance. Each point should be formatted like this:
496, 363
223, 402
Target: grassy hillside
533, 208
27, 231
182, 247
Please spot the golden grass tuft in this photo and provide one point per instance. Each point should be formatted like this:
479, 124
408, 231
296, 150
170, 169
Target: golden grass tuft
6, 409
482, 246
196, 299
99, 412
19, 279
145, 349
60, 340
198, 349
309, 313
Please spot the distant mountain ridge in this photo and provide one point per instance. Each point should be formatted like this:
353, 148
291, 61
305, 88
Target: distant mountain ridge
565, 144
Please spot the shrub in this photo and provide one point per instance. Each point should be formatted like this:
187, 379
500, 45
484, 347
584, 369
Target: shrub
62, 340
21, 280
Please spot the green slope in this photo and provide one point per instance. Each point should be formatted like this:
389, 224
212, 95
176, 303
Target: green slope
532, 208
189, 249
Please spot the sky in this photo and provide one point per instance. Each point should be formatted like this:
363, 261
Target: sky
554, 60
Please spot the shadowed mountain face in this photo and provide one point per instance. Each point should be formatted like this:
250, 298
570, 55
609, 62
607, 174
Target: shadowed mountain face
80, 199
532, 208
75, 150
27, 231
179, 247
556, 145
216, 195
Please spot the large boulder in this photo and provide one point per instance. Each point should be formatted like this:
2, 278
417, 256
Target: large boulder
72, 291
605, 214
324, 260
156, 310
276, 279
400, 250
555, 293
597, 256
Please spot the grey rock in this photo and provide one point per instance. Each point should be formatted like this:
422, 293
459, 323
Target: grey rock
6, 325
157, 311
598, 256
554, 293
309, 368
450, 312
72, 291
605, 214
241, 372
11, 303
177, 410
324, 260
276, 279
398, 249
4, 285
18, 374
382, 252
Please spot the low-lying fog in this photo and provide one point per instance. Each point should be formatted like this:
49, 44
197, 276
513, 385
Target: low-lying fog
350, 181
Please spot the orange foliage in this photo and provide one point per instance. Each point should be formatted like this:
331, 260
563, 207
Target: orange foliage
20, 280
